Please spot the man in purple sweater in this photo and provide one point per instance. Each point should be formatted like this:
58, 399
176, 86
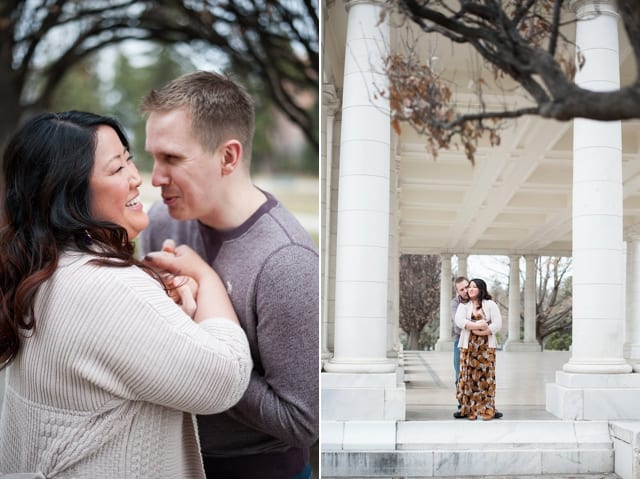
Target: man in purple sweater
199, 131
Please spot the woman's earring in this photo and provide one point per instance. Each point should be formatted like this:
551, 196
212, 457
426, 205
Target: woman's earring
87, 238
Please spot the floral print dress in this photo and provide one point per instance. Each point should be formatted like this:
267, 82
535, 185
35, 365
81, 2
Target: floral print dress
476, 391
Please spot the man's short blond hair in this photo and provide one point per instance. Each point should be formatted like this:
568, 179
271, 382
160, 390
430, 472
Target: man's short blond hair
459, 280
220, 108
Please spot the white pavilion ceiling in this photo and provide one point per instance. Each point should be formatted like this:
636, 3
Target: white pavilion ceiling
517, 197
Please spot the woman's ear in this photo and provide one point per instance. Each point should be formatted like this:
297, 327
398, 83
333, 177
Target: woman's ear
231, 156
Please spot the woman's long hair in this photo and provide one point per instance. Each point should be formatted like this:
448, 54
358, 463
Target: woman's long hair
46, 209
482, 286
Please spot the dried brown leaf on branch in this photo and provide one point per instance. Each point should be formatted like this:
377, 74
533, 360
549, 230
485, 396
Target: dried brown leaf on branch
524, 42
419, 97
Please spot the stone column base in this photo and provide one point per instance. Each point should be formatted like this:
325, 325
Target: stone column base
444, 345
626, 444
594, 396
632, 355
362, 397
529, 347
324, 357
511, 345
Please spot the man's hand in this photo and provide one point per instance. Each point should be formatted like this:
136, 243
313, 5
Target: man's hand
210, 294
182, 289
481, 328
180, 261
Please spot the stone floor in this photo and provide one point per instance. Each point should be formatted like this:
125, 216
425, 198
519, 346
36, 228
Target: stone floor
520, 391
520, 383
546, 476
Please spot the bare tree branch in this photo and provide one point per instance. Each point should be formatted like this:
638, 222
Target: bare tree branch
553, 302
274, 41
554, 29
521, 39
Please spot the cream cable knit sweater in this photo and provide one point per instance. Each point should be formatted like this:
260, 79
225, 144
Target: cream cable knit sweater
491, 314
107, 384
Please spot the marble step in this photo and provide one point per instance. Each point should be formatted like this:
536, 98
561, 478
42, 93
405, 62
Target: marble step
458, 448
501, 433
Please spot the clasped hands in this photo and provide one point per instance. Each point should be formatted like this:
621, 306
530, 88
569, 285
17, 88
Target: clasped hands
179, 267
480, 328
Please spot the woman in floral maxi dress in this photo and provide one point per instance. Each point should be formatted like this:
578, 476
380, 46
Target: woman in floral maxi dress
479, 320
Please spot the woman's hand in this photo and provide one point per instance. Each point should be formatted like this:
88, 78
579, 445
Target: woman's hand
477, 325
211, 296
184, 291
482, 332
480, 328
180, 261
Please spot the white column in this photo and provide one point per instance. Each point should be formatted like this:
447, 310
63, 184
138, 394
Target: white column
360, 382
631, 347
595, 384
530, 342
597, 204
363, 201
394, 345
330, 104
462, 264
513, 340
445, 341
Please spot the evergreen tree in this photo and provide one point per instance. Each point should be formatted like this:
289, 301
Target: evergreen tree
79, 89
133, 76
131, 83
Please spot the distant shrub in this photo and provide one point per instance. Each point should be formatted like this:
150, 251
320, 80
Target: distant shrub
558, 341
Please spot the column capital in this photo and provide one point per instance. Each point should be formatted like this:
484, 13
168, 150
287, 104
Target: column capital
446, 256
588, 8
330, 99
514, 257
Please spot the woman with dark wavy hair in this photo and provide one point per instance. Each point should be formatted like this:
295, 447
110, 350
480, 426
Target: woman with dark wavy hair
479, 320
104, 369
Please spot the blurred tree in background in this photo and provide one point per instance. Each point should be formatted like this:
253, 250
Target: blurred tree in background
554, 288
130, 84
273, 148
84, 88
429, 336
558, 341
419, 295
130, 78
79, 89
44, 43
554, 303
